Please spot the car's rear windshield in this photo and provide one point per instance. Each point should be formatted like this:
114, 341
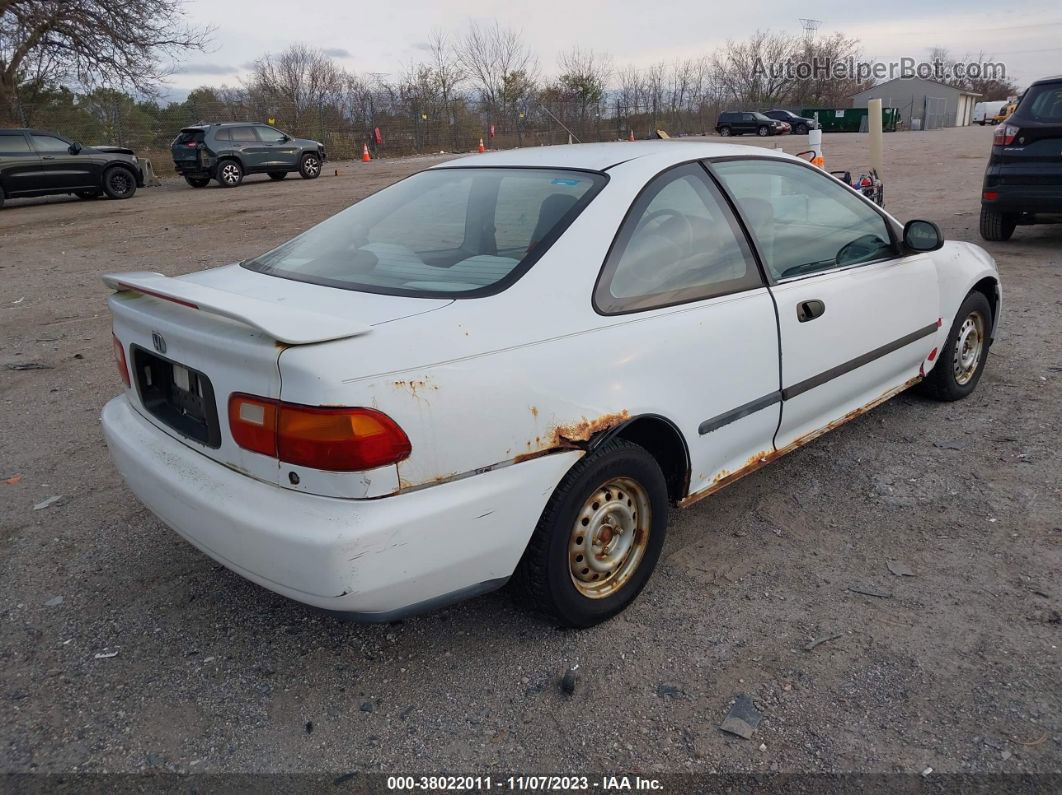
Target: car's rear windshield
190, 137
444, 232
1042, 103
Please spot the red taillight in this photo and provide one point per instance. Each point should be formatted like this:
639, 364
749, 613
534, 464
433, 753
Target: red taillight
333, 439
1005, 135
990, 195
119, 359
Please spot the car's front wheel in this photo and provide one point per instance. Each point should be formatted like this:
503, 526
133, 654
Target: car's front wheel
230, 174
961, 362
119, 183
997, 226
310, 167
762, 131
598, 539
801, 129
197, 182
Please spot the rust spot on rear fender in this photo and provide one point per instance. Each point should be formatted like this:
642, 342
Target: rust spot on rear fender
583, 429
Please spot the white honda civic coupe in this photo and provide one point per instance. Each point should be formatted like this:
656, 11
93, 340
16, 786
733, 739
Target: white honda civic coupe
504, 368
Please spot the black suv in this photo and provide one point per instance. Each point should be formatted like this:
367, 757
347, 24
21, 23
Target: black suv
1023, 181
42, 163
738, 123
228, 151
800, 124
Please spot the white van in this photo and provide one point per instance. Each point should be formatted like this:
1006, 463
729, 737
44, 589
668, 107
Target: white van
984, 111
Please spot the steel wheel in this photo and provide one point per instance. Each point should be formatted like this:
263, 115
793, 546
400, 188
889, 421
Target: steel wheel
969, 348
230, 174
609, 537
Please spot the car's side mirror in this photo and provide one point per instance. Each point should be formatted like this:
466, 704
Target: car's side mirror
75, 147
285, 138
922, 236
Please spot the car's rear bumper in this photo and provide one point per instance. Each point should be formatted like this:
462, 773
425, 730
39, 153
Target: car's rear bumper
376, 558
1024, 198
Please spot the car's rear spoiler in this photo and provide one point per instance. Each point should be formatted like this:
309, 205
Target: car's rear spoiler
284, 324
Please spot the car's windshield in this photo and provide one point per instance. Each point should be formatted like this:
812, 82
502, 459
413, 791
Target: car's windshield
448, 231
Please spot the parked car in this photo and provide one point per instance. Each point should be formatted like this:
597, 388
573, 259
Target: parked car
507, 366
984, 112
1023, 179
44, 163
228, 151
799, 124
1005, 112
738, 123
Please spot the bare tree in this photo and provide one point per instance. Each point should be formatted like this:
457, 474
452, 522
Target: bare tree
990, 87
449, 74
296, 83
583, 84
119, 43
501, 66
756, 71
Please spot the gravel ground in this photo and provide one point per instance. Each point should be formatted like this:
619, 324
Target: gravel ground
124, 649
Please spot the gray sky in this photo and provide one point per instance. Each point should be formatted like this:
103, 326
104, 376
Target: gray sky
386, 37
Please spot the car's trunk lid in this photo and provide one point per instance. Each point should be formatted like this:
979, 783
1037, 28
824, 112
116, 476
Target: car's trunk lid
192, 342
185, 146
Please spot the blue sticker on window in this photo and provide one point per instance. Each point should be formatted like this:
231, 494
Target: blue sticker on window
565, 181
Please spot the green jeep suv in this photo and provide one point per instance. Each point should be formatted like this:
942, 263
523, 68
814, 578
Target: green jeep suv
229, 150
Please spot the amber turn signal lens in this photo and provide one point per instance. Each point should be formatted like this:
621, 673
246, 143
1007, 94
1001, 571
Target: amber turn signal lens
332, 439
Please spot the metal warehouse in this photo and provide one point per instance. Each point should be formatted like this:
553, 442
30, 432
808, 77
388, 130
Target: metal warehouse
923, 104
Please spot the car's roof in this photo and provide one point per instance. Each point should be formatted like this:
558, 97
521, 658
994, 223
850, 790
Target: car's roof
599, 157
1054, 79
31, 130
208, 125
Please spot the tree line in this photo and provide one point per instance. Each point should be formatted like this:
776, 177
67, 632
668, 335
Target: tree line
483, 81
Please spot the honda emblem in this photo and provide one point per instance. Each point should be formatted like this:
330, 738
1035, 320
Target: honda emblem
158, 342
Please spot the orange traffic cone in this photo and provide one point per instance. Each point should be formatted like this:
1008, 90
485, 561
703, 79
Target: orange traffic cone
365, 154
482, 148
631, 137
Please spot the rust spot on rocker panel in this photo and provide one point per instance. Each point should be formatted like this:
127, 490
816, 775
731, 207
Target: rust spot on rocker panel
761, 459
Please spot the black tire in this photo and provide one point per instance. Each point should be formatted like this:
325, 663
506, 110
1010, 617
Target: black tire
762, 131
801, 129
997, 226
119, 183
724, 131
86, 195
944, 382
197, 182
277, 175
544, 580
310, 166
229, 173
2, 196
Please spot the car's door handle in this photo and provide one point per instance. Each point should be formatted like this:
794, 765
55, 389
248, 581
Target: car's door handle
47, 157
809, 310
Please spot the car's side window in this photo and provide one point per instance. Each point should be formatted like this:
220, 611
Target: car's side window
14, 144
244, 135
679, 243
49, 144
270, 136
803, 220
223, 134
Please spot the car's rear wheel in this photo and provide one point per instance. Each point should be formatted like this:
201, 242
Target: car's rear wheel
197, 182
598, 539
801, 129
277, 175
997, 226
724, 131
310, 167
119, 183
961, 362
230, 174
87, 194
